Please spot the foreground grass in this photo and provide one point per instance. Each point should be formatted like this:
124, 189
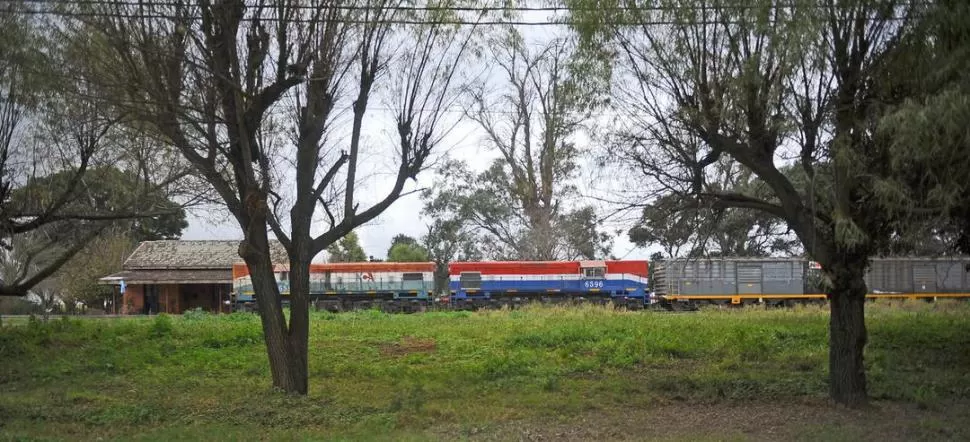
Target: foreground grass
494, 374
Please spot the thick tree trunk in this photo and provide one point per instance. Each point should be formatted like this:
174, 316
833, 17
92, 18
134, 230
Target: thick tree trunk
256, 253
847, 335
299, 320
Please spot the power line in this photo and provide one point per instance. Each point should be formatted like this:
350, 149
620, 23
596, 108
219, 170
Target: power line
565, 22
560, 21
484, 9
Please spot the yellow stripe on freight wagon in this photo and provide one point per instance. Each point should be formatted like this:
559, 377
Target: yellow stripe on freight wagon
594, 290
739, 297
917, 295
330, 293
815, 296
552, 290
371, 292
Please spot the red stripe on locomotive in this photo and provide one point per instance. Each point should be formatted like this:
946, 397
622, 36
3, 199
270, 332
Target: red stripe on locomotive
240, 269
639, 268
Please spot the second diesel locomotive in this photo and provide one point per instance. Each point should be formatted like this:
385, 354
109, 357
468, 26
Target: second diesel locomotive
409, 287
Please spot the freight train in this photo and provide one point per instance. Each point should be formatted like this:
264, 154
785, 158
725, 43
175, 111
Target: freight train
739, 281
390, 286
409, 287
677, 284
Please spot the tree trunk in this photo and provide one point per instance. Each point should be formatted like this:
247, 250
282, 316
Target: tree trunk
847, 335
299, 319
256, 253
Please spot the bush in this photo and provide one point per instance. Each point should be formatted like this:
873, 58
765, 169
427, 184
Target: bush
196, 314
162, 325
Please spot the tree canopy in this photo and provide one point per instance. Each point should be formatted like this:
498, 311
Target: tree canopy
106, 190
347, 249
755, 84
62, 153
406, 249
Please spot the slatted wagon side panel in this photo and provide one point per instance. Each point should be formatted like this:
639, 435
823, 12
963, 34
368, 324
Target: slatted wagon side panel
749, 278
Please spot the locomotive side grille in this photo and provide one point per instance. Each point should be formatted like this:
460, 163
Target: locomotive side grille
470, 280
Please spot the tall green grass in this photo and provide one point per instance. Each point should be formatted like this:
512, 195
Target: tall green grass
372, 372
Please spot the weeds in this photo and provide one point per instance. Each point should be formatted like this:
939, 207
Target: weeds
372, 372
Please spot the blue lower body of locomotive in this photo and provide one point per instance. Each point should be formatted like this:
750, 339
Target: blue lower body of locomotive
613, 289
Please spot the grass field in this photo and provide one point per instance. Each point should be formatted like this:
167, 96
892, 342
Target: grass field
539, 373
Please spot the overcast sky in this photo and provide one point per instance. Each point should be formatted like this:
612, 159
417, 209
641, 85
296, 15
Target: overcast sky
465, 142
404, 215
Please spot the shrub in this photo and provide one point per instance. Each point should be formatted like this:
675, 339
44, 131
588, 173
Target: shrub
196, 314
162, 325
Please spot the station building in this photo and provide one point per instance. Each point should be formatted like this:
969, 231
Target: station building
176, 276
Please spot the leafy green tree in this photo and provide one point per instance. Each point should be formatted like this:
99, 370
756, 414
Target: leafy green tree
78, 278
406, 249
61, 150
928, 107
518, 206
450, 240
104, 190
151, 215
754, 83
347, 249
684, 226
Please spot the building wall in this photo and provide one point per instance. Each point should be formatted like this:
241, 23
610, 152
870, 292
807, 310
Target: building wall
176, 298
208, 297
133, 301
168, 299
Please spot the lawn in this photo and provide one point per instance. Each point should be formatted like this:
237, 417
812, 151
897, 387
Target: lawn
537, 373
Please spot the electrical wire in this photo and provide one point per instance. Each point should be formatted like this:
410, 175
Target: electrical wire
557, 21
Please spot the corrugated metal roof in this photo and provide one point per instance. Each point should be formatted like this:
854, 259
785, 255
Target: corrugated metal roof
179, 254
198, 276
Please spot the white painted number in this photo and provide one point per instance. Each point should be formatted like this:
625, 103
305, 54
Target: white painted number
594, 284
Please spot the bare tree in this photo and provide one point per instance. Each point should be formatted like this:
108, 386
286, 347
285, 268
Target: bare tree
539, 96
222, 80
758, 83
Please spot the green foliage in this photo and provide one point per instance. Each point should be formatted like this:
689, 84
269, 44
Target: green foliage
78, 279
107, 191
162, 325
196, 314
406, 249
347, 249
685, 226
487, 216
928, 105
520, 205
449, 240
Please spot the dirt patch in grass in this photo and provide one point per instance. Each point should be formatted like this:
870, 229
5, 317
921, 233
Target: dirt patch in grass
798, 420
408, 345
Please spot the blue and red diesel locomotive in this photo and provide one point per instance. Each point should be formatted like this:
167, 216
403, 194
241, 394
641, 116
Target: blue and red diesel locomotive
408, 287
481, 284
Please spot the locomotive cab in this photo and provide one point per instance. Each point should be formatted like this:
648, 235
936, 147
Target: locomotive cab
592, 269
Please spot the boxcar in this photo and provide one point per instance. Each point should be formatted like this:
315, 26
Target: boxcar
479, 284
741, 280
731, 280
919, 277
